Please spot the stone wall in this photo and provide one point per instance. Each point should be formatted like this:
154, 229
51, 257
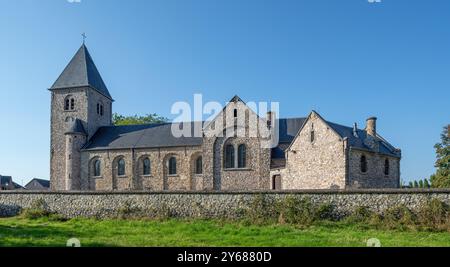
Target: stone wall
134, 179
205, 204
318, 163
86, 100
374, 177
226, 129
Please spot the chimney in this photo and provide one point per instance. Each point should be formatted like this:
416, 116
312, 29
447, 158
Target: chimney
372, 126
355, 130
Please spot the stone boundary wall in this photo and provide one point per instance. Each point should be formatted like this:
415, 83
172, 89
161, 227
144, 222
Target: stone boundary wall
204, 204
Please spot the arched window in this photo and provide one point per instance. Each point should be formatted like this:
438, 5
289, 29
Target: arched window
386, 167
172, 166
72, 104
146, 166
100, 109
97, 168
313, 136
242, 156
199, 165
363, 164
121, 167
67, 104
229, 157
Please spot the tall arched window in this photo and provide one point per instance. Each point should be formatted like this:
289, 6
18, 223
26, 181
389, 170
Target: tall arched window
67, 104
363, 164
242, 156
97, 168
146, 166
172, 166
386, 167
121, 167
229, 157
199, 165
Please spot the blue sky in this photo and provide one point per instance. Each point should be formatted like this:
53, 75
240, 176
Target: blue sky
347, 59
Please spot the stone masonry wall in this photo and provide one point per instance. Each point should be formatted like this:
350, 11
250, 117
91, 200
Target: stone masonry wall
375, 176
210, 205
59, 125
315, 165
134, 179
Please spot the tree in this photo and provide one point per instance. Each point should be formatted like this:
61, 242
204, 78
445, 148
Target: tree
120, 120
427, 183
441, 179
416, 184
421, 184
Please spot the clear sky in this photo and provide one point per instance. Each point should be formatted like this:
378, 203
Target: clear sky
347, 59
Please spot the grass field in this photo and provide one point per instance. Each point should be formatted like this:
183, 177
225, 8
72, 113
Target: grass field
18, 232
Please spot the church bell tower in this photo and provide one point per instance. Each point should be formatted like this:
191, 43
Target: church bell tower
80, 104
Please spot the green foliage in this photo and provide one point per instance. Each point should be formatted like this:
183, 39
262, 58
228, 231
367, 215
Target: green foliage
441, 179
264, 210
39, 210
399, 217
361, 215
423, 184
434, 214
120, 120
303, 212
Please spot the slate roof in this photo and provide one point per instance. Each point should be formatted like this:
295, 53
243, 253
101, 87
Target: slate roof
160, 135
141, 136
76, 127
81, 72
41, 182
5, 179
290, 127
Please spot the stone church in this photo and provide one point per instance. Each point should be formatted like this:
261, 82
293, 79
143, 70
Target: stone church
88, 153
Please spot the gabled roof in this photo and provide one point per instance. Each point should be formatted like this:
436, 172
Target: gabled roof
81, 72
357, 141
43, 183
76, 127
5, 179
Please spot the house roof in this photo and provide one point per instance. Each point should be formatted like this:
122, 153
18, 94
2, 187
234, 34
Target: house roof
42, 182
5, 179
80, 72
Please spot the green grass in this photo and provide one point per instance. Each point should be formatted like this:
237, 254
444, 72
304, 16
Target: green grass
19, 232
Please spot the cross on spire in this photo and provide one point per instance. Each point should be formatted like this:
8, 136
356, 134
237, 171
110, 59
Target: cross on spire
84, 37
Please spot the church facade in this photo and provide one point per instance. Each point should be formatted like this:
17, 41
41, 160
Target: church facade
88, 153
